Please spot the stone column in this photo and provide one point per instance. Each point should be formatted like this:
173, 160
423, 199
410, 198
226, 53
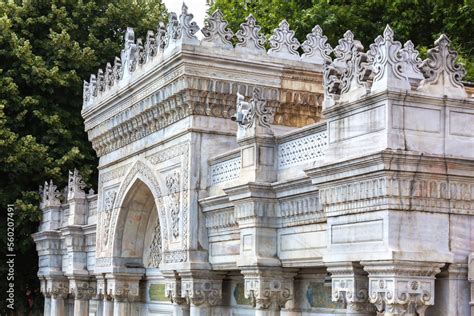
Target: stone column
350, 285
82, 290
108, 305
470, 277
47, 304
124, 288
59, 290
269, 289
452, 291
202, 290
402, 287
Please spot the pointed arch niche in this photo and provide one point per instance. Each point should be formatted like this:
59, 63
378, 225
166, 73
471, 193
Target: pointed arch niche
136, 239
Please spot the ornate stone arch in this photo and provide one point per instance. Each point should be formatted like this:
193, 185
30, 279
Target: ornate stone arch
139, 174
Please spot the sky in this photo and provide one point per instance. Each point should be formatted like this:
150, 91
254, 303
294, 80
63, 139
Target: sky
196, 7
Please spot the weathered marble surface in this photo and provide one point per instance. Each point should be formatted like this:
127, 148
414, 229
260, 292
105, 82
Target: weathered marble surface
240, 181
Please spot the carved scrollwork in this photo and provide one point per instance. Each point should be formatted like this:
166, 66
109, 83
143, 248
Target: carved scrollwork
283, 42
188, 27
268, 289
402, 287
50, 196
412, 62
172, 201
154, 257
249, 36
388, 64
216, 31
75, 185
252, 114
201, 292
442, 75
315, 47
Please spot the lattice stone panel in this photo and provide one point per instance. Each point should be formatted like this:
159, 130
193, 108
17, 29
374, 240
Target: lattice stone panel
302, 150
224, 171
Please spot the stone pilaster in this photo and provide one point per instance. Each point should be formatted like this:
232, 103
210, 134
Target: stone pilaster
350, 284
402, 287
268, 288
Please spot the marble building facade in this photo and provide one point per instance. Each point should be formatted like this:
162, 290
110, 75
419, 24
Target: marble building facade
240, 176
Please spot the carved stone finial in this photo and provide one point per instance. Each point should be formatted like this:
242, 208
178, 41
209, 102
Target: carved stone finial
150, 45
412, 62
161, 37
129, 55
442, 75
216, 31
85, 92
109, 76
100, 81
252, 116
343, 50
346, 78
75, 185
118, 69
283, 42
50, 196
129, 37
354, 79
92, 86
173, 30
315, 47
388, 65
249, 36
188, 28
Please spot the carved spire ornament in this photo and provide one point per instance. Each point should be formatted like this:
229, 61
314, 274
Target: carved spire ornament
442, 75
315, 47
75, 185
249, 36
343, 50
50, 196
161, 37
188, 27
283, 42
173, 30
388, 65
216, 31
150, 45
412, 62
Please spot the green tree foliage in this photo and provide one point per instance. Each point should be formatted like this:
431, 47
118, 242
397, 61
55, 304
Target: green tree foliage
421, 21
47, 49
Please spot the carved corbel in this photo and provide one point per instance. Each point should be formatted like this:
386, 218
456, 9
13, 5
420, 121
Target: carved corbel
58, 289
202, 292
350, 286
82, 290
124, 289
173, 287
268, 288
398, 287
